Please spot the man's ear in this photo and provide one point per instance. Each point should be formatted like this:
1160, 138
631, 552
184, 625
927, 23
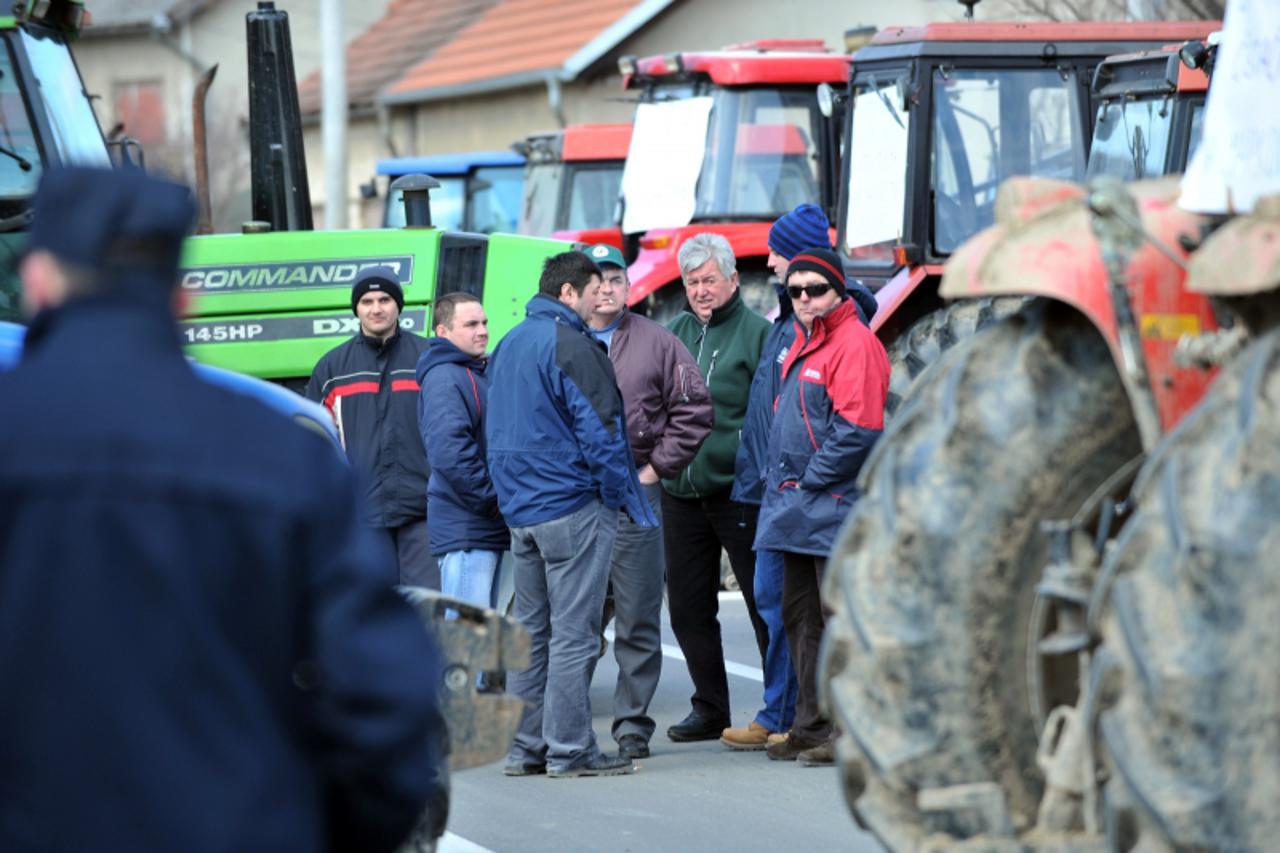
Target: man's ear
568, 295
44, 284
440, 330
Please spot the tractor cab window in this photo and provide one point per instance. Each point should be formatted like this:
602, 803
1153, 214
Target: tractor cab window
1197, 130
992, 125
76, 135
541, 198
593, 196
494, 194
875, 206
761, 154
1131, 139
20, 158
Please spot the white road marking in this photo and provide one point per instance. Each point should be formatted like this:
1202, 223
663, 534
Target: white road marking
754, 673
450, 843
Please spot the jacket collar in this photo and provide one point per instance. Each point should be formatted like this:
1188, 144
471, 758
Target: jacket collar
106, 326
547, 308
379, 345
725, 312
825, 325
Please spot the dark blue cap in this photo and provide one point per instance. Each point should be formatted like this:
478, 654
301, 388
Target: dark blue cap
124, 225
802, 228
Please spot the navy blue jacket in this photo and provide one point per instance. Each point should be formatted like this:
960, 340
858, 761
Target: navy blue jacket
556, 432
369, 386
749, 464
829, 414
200, 649
461, 502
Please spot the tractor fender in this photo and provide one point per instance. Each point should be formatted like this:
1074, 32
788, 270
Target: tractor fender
657, 264
1242, 258
1043, 245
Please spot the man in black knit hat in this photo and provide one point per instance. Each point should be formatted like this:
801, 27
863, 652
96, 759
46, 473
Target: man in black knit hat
370, 386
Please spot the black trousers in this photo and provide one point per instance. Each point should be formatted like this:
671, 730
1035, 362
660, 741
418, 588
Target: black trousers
694, 532
804, 621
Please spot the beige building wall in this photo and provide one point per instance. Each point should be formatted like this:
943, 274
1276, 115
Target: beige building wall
493, 121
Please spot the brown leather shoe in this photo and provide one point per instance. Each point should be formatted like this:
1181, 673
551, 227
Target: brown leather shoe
823, 755
753, 737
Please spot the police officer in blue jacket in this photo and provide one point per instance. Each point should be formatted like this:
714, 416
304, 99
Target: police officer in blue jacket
198, 647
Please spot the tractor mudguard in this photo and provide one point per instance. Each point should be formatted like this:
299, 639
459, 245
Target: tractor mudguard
1242, 258
891, 298
1043, 244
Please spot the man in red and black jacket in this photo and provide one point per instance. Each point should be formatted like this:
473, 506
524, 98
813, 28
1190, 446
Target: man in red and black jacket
370, 386
828, 415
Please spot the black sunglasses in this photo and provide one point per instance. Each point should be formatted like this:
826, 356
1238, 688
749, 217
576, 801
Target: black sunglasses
814, 290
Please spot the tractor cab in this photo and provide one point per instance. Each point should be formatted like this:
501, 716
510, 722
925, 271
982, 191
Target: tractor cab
939, 116
572, 180
479, 191
47, 120
1150, 111
725, 141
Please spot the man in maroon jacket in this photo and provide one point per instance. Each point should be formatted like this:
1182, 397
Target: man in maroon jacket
669, 414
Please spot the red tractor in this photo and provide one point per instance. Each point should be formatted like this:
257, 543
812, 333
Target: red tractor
767, 147
571, 182
937, 118
1049, 626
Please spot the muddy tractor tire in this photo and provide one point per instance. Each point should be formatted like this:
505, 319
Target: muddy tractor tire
926, 655
924, 342
1190, 628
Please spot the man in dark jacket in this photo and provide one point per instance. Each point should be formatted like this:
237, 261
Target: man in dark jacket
468, 534
198, 648
562, 467
369, 384
669, 414
828, 415
725, 337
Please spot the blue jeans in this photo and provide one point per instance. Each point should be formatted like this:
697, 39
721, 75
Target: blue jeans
561, 573
471, 575
780, 687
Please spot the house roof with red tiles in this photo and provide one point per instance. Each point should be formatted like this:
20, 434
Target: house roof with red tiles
520, 42
409, 32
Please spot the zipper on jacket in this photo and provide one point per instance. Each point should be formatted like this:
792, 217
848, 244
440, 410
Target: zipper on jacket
711, 367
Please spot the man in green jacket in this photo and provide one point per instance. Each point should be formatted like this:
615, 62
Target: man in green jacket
726, 338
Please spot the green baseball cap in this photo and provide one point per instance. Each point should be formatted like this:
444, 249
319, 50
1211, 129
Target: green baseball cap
603, 253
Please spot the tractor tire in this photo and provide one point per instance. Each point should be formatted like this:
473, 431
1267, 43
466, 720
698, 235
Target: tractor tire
925, 660
1191, 638
935, 333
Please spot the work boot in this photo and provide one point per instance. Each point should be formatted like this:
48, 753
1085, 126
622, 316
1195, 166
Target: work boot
790, 748
776, 737
823, 755
601, 765
697, 727
753, 737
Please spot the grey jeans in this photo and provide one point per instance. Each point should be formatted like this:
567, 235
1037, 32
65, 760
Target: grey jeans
561, 570
637, 575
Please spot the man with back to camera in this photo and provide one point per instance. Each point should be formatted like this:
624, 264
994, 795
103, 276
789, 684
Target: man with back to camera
369, 384
212, 659
725, 338
828, 415
563, 468
669, 414
468, 534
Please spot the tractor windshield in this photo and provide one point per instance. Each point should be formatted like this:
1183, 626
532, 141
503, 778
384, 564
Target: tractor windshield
76, 135
593, 196
494, 194
541, 197
993, 125
1131, 139
761, 157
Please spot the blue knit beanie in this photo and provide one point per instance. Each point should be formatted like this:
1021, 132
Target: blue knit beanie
802, 228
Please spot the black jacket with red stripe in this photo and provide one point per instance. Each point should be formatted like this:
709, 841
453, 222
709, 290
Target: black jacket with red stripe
370, 387
828, 414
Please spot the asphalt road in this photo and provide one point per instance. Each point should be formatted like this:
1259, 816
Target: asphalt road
697, 796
